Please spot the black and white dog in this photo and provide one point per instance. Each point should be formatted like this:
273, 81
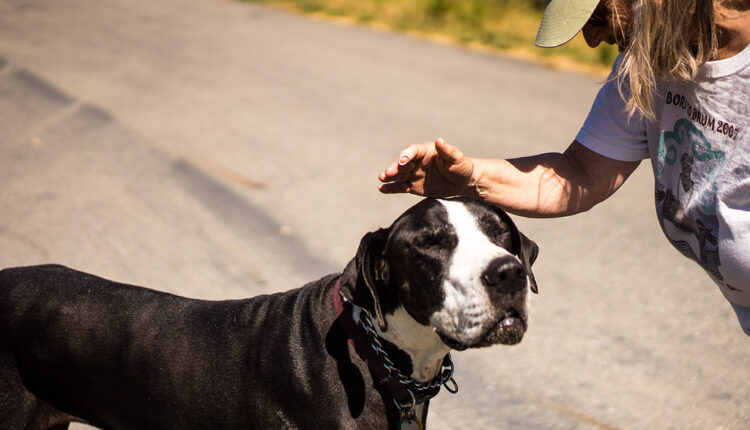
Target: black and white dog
360, 350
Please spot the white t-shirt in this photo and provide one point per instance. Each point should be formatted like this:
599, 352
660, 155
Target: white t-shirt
699, 147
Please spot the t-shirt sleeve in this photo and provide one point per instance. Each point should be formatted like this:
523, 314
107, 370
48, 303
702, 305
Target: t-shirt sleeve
609, 130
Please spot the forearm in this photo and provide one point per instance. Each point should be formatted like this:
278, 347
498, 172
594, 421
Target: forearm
537, 186
549, 185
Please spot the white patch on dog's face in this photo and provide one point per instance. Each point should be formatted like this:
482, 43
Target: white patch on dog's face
467, 311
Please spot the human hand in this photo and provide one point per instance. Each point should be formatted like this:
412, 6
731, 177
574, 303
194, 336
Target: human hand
429, 169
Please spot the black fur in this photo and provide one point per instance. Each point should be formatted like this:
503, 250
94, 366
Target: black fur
125, 357
74, 346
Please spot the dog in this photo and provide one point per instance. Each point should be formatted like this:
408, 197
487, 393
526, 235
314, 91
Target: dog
364, 349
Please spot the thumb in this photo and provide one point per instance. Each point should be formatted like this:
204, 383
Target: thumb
450, 154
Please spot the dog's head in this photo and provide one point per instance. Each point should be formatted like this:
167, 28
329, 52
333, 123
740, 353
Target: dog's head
458, 266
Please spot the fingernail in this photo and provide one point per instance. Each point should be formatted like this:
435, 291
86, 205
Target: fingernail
403, 160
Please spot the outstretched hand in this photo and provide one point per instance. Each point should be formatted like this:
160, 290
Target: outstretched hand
429, 169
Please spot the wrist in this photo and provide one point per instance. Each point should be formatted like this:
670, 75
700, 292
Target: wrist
474, 188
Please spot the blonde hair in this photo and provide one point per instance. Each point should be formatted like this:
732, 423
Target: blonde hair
666, 40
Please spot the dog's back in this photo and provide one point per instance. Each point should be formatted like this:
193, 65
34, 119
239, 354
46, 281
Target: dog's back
114, 354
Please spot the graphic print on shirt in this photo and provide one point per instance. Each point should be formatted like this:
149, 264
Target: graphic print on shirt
688, 212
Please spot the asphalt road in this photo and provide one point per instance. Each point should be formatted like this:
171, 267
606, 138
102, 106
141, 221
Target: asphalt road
218, 149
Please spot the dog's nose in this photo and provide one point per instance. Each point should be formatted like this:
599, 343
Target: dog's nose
505, 274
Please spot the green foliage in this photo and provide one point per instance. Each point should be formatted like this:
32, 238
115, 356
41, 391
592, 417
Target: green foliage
438, 9
309, 5
500, 24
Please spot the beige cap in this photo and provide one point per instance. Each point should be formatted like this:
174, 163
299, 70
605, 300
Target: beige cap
562, 20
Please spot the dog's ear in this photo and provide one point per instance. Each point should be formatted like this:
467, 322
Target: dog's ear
370, 268
527, 253
376, 271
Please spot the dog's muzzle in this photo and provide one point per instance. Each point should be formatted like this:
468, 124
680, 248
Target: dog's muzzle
508, 330
503, 321
505, 274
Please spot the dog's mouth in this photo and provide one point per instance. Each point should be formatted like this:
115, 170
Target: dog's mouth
509, 330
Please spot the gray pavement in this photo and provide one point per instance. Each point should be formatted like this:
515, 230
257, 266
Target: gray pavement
218, 149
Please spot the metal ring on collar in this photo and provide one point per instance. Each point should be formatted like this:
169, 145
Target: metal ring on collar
413, 402
450, 369
453, 390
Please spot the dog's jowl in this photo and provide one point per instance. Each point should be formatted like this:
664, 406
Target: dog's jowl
364, 349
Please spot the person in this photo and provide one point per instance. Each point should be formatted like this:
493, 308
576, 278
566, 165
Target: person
678, 94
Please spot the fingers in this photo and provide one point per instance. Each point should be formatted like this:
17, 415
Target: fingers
408, 160
417, 162
389, 173
414, 154
407, 155
394, 188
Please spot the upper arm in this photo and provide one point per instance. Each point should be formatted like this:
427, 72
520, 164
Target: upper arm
599, 176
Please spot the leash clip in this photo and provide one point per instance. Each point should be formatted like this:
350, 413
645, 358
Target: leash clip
408, 412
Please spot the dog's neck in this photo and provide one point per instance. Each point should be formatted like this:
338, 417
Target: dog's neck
421, 343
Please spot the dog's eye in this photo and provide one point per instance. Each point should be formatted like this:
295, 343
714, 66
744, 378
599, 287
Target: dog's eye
429, 240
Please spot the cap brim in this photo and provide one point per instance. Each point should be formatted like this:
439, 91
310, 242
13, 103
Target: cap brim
562, 20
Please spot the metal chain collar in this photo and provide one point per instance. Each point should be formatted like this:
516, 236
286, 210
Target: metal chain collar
407, 411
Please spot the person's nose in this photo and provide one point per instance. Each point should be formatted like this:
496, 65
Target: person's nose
594, 35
